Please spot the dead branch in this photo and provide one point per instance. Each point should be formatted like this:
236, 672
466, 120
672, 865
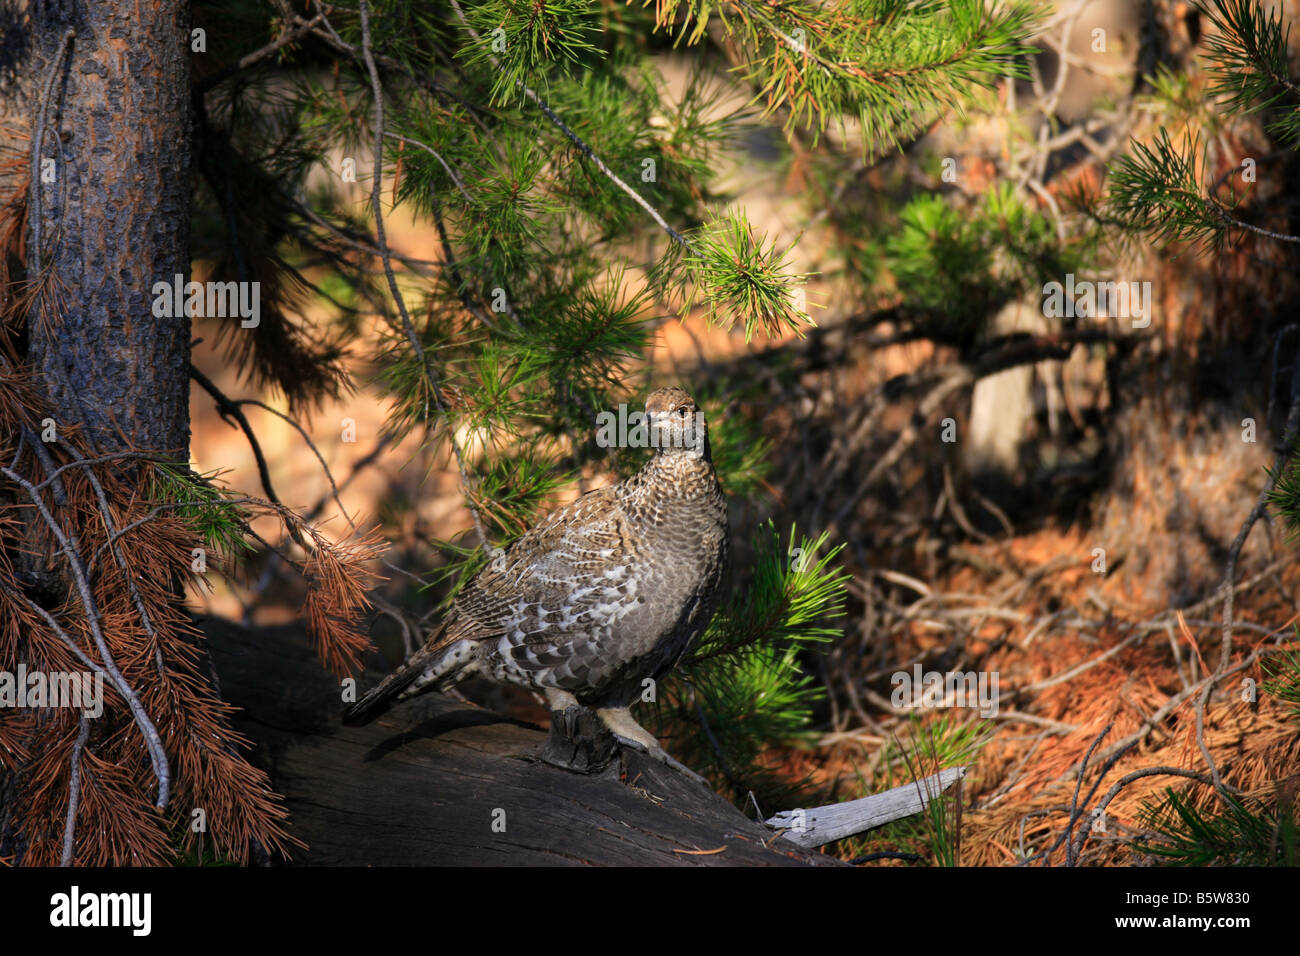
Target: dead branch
230, 409
818, 826
157, 753
74, 791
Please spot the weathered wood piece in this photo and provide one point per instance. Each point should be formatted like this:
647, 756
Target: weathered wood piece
441, 782
818, 826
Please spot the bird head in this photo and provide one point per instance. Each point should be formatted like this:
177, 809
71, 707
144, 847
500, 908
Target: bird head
677, 425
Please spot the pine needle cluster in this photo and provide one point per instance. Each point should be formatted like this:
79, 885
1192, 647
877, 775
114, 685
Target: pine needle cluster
1162, 188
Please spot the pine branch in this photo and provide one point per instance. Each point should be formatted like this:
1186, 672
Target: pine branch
1248, 54
382, 242
1181, 835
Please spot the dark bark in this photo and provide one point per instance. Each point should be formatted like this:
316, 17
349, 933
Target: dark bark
425, 783
115, 220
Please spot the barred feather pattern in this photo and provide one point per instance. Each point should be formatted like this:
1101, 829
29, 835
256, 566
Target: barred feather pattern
601, 594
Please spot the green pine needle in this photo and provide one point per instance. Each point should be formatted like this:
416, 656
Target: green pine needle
1283, 669
1155, 191
1248, 64
734, 275
1181, 835
203, 504
743, 689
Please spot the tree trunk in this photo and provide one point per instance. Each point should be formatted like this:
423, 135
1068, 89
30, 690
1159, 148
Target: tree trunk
110, 217
106, 87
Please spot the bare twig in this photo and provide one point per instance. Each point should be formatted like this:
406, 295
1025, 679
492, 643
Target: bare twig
47, 463
49, 619
106, 515
52, 477
230, 410
38, 136
1285, 443
292, 33
1078, 784
1128, 778
334, 490
409, 628
362, 463
448, 255
460, 186
1170, 706
153, 514
74, 792
713, 741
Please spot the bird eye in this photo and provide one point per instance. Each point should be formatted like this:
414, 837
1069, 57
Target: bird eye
682, 412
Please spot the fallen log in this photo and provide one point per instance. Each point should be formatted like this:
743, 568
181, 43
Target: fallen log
441, 782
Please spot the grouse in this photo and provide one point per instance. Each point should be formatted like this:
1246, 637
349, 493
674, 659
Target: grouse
601, 596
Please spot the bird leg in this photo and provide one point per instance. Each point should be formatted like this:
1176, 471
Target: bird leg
631, 734
577, 740
558, 701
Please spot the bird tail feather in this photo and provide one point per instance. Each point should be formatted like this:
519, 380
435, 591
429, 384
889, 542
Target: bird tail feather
402, 683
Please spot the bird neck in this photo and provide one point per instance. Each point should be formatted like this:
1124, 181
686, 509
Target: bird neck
671, 477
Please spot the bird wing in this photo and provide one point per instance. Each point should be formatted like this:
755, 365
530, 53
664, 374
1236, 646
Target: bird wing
545, 608
550, 602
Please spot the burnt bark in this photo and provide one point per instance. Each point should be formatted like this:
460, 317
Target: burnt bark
110, 217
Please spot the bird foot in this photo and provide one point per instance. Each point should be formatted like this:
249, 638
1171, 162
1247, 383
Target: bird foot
578, 741
631, 734
658, 753
582, 741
